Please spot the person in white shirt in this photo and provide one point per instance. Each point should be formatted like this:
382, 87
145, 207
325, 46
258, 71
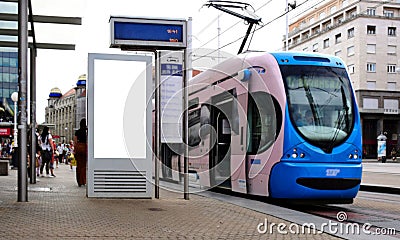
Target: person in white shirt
47, 151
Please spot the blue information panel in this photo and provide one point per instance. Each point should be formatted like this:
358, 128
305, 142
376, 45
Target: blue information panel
148, 33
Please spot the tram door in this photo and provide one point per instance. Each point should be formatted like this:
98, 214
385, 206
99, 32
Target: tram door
228, 141
220, 154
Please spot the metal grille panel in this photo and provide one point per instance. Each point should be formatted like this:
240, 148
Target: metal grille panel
108, 181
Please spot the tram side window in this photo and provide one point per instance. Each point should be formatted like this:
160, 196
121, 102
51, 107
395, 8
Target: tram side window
204, 120
263, 122
194, 127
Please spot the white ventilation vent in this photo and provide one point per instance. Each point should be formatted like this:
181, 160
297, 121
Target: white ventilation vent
117, 181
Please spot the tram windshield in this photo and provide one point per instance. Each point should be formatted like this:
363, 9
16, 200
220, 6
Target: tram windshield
320, 103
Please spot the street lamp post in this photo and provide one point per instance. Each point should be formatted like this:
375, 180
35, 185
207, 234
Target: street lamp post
14, 98
289, 6
287, 26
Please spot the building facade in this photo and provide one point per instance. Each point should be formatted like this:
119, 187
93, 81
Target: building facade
66, 110
364, 34
8, 85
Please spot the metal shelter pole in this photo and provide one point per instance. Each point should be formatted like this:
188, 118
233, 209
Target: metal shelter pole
157, 123
187, 65
22, 85
185, 131
33, 114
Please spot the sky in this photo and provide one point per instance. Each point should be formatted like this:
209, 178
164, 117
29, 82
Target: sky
58, 68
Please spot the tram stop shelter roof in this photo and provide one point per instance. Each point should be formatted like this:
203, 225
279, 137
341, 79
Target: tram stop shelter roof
37, 25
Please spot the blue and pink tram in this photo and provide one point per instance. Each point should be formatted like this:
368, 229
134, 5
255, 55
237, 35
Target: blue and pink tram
283, 125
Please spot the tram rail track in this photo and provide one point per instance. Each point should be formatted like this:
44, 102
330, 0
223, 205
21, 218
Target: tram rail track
377, 210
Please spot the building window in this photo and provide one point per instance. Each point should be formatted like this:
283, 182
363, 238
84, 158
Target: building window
391, 68
303, 24
370, 103
13, 77
350, 33
339, 20
296, 40
338, 38
312, 20
315, 30
327, 25
392, 50
391, 106
371, 11
333, 9
391, 31
352, 13
391, 86
388, 13
371, 30
350, 51
371, 85
371, 67
6, 61
351, 68
371, 48
322, 15
315, 47
13, 62
326, 43
338, 53
5, 77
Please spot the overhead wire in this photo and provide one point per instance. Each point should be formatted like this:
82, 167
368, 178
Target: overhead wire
314, 6
230, 26
262, 26
208, 25
205, 55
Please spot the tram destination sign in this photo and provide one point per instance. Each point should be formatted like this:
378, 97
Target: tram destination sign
147, 33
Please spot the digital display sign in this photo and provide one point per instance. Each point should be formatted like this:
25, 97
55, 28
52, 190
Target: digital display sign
144, 33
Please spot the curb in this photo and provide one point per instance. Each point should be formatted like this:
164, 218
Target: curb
380, 189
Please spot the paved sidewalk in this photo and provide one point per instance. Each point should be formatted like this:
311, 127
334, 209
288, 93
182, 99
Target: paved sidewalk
381, 174
59, 209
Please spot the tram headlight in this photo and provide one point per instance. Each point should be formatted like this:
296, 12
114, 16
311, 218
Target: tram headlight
353, 156
294, 154
356, 154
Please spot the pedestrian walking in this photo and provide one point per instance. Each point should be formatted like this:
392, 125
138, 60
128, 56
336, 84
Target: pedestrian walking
393, 153
38, 152
53, 159
47, 151
65, 152
81, 152
60, 153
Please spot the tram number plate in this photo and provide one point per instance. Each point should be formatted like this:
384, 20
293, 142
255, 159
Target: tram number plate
332, 172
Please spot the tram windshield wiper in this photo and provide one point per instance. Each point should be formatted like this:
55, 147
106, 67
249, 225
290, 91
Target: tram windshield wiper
342, 118
311, 101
